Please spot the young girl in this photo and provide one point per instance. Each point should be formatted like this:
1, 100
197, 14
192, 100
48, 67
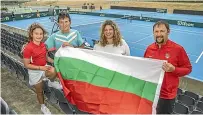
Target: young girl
35, 59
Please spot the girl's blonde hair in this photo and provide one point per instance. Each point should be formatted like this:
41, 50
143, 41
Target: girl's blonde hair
34, 26
117, 39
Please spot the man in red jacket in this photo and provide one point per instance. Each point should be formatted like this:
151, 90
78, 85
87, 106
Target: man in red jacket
177, 65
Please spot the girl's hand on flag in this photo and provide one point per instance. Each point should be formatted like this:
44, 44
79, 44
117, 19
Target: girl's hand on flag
49, 67
44, 68
168, 67
66, 44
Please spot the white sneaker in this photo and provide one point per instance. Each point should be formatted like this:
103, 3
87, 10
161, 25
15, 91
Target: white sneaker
45, 110
55, 84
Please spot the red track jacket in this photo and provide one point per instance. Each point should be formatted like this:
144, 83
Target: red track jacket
176, 55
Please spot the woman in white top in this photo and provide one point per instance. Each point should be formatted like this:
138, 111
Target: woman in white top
111, 40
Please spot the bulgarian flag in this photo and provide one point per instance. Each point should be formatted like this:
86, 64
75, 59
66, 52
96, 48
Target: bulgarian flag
100, 83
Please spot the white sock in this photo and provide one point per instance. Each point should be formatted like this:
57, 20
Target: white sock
42, 105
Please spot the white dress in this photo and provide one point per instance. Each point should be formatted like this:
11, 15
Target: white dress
35, 76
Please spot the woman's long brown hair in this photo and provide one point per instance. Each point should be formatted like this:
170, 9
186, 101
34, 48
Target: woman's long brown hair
117, 39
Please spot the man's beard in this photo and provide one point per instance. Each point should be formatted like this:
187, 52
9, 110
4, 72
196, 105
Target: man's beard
159, 42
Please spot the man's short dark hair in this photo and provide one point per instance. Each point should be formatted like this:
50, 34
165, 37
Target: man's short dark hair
63, 15
161, 22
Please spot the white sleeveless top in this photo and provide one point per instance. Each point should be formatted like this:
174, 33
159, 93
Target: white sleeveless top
109, 48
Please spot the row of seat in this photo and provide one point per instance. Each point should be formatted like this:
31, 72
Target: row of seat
13, 34
9, 46
5, 109
190, 94
180, 108
188, 102
17, 36
14, 66
12, 38
12, 42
